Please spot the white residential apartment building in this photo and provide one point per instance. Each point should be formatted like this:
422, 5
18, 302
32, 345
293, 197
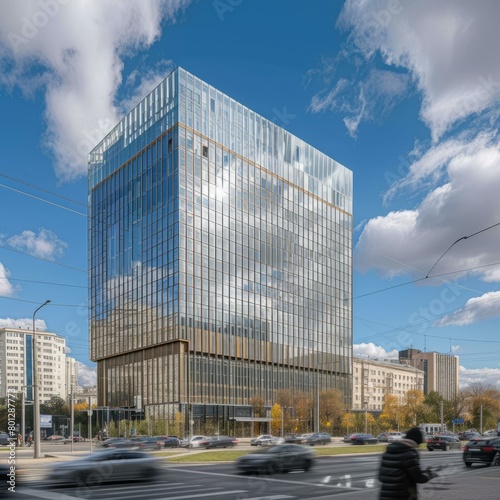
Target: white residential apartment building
373, 379
16, 363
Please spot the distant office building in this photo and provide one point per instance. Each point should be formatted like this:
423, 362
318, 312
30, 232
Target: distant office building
373, 379
441, 371
16, 363
220, 258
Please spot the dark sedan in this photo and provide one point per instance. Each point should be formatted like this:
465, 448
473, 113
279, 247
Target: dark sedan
118, 443
105, 466
318, 438
295, 439
277, 458
482, 451
444, 443
218, 442
363, 439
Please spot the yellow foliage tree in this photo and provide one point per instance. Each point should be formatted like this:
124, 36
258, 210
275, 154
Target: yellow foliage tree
276, 416
391, 414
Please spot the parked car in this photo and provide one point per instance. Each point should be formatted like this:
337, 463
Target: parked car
278, 458
468, 435
5, 439
347, 438
491, 432
318, 438
360, 438
195, 441
383, 437
444, 443
218, 442
265, 440
395, 436
482, 451
105, 466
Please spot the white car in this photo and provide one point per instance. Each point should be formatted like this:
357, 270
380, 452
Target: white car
195, 441
266, 440
395, 436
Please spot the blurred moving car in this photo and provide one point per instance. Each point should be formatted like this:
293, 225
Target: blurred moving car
168, 441
360, 438
277, 458
148, 444
318, 438
218, 442
117, 443
444, 443
54, 437
484, 450
195, 441
296, 438
105, 466
76, 439
265, 440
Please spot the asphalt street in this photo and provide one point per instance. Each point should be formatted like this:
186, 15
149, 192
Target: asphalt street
340, 477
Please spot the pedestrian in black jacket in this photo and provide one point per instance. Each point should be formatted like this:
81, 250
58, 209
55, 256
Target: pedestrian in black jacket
400, 468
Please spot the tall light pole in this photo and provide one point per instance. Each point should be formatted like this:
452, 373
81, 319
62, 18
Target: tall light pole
36, 387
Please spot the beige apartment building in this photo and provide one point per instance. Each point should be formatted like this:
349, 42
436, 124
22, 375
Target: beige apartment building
373, 379
16, 363
441, 371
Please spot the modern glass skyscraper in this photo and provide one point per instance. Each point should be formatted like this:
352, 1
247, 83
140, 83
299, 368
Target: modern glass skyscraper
220, 257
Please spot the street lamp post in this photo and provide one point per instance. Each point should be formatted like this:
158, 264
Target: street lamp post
36, 389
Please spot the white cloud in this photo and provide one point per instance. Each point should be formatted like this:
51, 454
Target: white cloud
7, 289
25, 323
484, 376
465, 204
368, 99
45, 244
449, 48
371, 350
87, 375
74, 51
476, 309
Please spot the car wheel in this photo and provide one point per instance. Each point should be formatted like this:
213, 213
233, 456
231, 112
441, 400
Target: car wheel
468, 464
273, 468
430, 449
307, 465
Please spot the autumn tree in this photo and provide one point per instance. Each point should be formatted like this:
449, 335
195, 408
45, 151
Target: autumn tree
276, 419
412, 411
331, 409
391, 413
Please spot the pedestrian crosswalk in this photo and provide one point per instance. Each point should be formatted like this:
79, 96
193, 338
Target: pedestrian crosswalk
156, 490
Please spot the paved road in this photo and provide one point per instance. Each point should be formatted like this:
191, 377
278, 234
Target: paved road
339, 478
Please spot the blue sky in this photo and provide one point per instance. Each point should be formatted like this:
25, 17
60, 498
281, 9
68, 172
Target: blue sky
405, 94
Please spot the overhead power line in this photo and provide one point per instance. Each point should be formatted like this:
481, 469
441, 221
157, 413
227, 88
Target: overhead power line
44, 190
460, 239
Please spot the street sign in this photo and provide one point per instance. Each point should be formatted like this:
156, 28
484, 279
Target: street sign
458, 421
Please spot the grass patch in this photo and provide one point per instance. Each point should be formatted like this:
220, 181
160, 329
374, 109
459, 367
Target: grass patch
231, 455
350, 450
209, 456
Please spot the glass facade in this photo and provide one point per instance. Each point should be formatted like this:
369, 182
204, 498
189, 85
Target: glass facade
220, 257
